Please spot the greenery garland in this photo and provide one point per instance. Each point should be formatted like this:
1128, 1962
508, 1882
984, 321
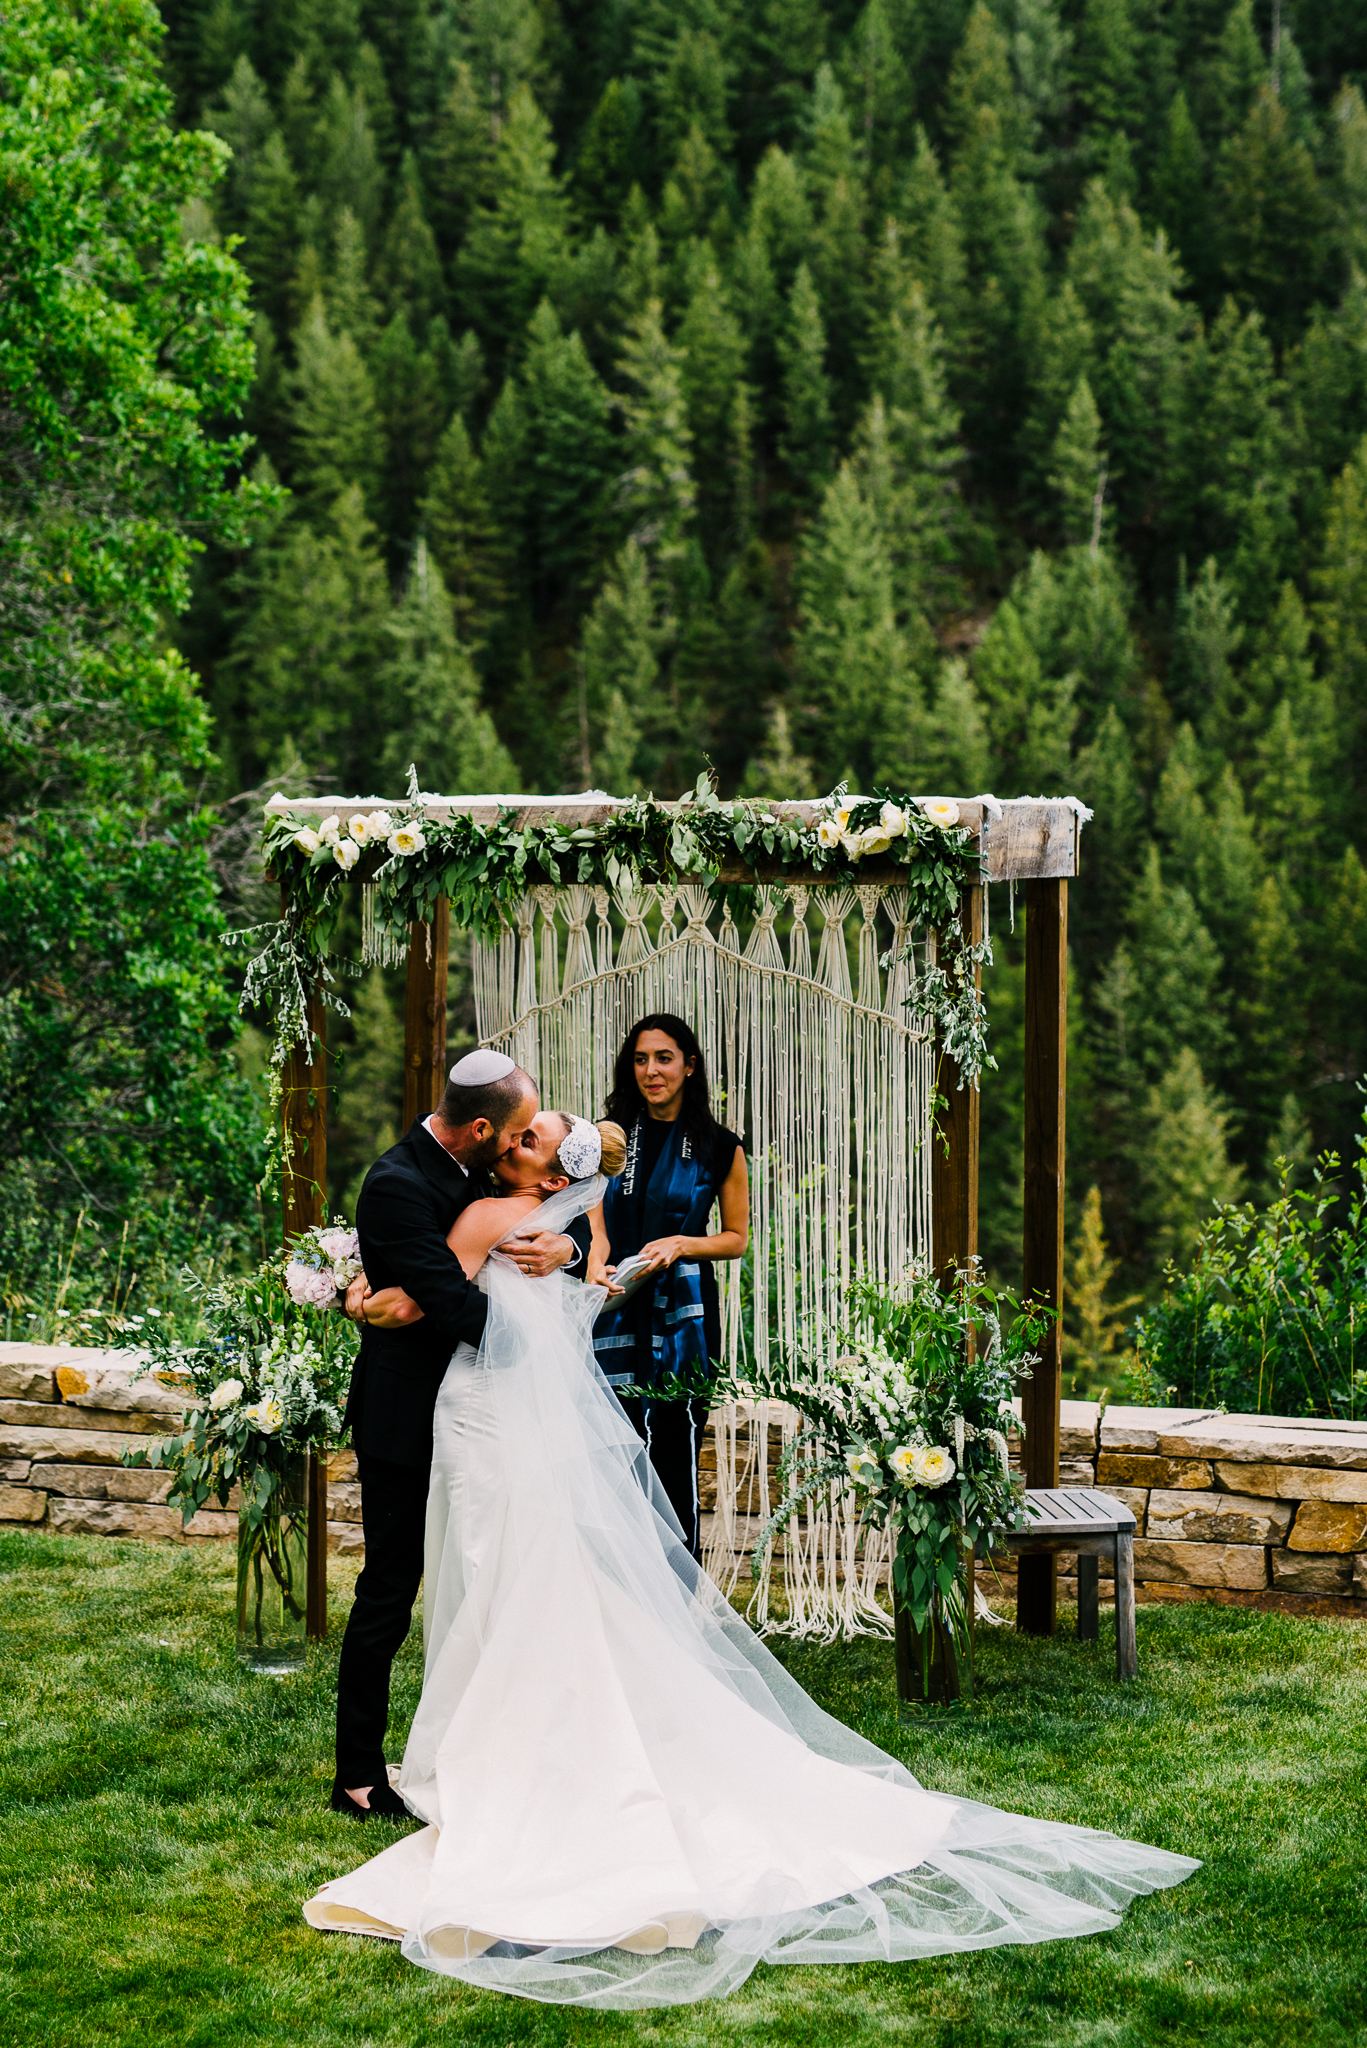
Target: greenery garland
484, 869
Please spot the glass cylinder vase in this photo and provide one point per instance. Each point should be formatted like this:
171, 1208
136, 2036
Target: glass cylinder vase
272, 1578
935, 1662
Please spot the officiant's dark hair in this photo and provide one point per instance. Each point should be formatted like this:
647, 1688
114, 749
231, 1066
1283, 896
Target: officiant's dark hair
499, 1101
626, 1101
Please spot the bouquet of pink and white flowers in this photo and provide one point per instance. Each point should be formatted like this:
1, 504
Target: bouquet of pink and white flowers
323, 1262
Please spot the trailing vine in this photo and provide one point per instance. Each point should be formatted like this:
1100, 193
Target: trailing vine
485, 869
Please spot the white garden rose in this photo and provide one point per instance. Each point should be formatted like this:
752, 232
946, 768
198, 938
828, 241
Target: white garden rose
330, 829
381, 824
934, 1467
225, 1394
852, 843
359, 828
307, 840
894, 820
267, 1415
828, 833
346, 853
942, 811
864, 1470
873, 839
903, 1463
407, 841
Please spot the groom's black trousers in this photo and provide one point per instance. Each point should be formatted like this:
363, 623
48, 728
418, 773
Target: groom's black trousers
672, 1431
394, 1519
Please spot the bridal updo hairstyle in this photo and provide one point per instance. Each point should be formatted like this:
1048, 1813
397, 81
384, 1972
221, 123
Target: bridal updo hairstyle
614, 1141
626, 1102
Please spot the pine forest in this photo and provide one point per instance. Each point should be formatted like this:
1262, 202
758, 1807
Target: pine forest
950, 397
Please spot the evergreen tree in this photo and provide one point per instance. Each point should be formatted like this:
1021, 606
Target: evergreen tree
271, 228
1031, 712
1181, 194
516, 244
409, 271
1341, 618
431, 695
412, 416
1273, 217
1080, 471
658, 492
462, 539
1186, 1167
311, 643
619, 677
349, 171
337, 437
807, 433
569, 457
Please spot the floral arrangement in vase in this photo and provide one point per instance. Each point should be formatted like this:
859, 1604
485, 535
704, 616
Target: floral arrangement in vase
912, 1415
265, 1376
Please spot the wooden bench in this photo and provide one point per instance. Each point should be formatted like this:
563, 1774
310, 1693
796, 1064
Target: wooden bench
1095, 1525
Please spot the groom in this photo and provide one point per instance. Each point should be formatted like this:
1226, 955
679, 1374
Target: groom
409, 1201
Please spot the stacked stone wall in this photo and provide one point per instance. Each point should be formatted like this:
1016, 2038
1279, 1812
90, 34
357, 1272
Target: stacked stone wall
1249, 1510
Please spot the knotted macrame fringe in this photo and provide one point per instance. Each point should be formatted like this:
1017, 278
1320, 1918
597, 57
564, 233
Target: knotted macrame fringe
832, 1087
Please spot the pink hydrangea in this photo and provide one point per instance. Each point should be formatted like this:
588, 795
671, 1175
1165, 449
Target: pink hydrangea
310, 1286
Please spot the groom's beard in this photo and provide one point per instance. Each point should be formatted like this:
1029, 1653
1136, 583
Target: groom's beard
484, 1155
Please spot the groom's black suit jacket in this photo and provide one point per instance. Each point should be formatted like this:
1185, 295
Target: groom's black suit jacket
410, 1199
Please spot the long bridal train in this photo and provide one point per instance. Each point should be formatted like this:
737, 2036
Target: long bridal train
629, 1801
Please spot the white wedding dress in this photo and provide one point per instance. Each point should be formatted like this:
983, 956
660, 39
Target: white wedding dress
629, 1802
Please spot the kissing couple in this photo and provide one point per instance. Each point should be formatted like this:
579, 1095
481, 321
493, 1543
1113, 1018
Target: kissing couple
627, 1800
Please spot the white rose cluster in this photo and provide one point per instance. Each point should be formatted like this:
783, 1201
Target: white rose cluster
345, 839
834, 830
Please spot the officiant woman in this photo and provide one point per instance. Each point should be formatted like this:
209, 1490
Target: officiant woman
681, 1163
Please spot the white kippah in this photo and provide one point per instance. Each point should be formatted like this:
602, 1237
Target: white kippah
478, 1069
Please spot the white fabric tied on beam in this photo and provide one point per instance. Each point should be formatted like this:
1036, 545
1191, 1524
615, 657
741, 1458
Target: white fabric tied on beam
832, 1094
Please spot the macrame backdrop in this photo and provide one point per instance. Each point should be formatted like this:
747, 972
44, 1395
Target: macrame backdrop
831, 1088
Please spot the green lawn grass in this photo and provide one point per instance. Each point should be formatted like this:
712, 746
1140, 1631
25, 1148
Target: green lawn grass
162, 1816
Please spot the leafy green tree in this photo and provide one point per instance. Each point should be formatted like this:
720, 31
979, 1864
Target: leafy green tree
122, 344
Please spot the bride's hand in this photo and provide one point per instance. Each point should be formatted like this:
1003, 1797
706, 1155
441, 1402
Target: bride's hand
663, 1251
390, 1309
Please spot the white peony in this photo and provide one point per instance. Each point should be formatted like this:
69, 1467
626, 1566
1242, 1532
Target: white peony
407, 841
359, 828
934, 1467
330, 829
267, 1415
874, 839
942, 811
894, 820
903, 1463
346, 853
307, 840
381, 824
828, 833
853, 843
225, 1394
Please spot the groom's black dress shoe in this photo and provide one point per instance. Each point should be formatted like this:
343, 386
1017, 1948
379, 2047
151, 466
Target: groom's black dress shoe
385, 1803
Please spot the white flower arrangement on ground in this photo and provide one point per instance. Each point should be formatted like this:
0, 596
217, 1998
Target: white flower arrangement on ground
264, 1378
912, 1415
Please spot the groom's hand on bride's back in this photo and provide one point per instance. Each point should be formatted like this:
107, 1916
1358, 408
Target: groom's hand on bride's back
545, 1253
390, 1309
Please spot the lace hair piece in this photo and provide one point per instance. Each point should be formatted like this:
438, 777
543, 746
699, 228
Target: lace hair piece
581, 1151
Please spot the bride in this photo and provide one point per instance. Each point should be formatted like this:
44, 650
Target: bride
628, 1800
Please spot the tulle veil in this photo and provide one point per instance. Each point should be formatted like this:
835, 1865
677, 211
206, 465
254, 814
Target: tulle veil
556, 1565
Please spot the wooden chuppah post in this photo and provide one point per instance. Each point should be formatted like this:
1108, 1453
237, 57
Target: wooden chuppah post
954, 1147
424, 1014
303, 1109
1046, 1082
